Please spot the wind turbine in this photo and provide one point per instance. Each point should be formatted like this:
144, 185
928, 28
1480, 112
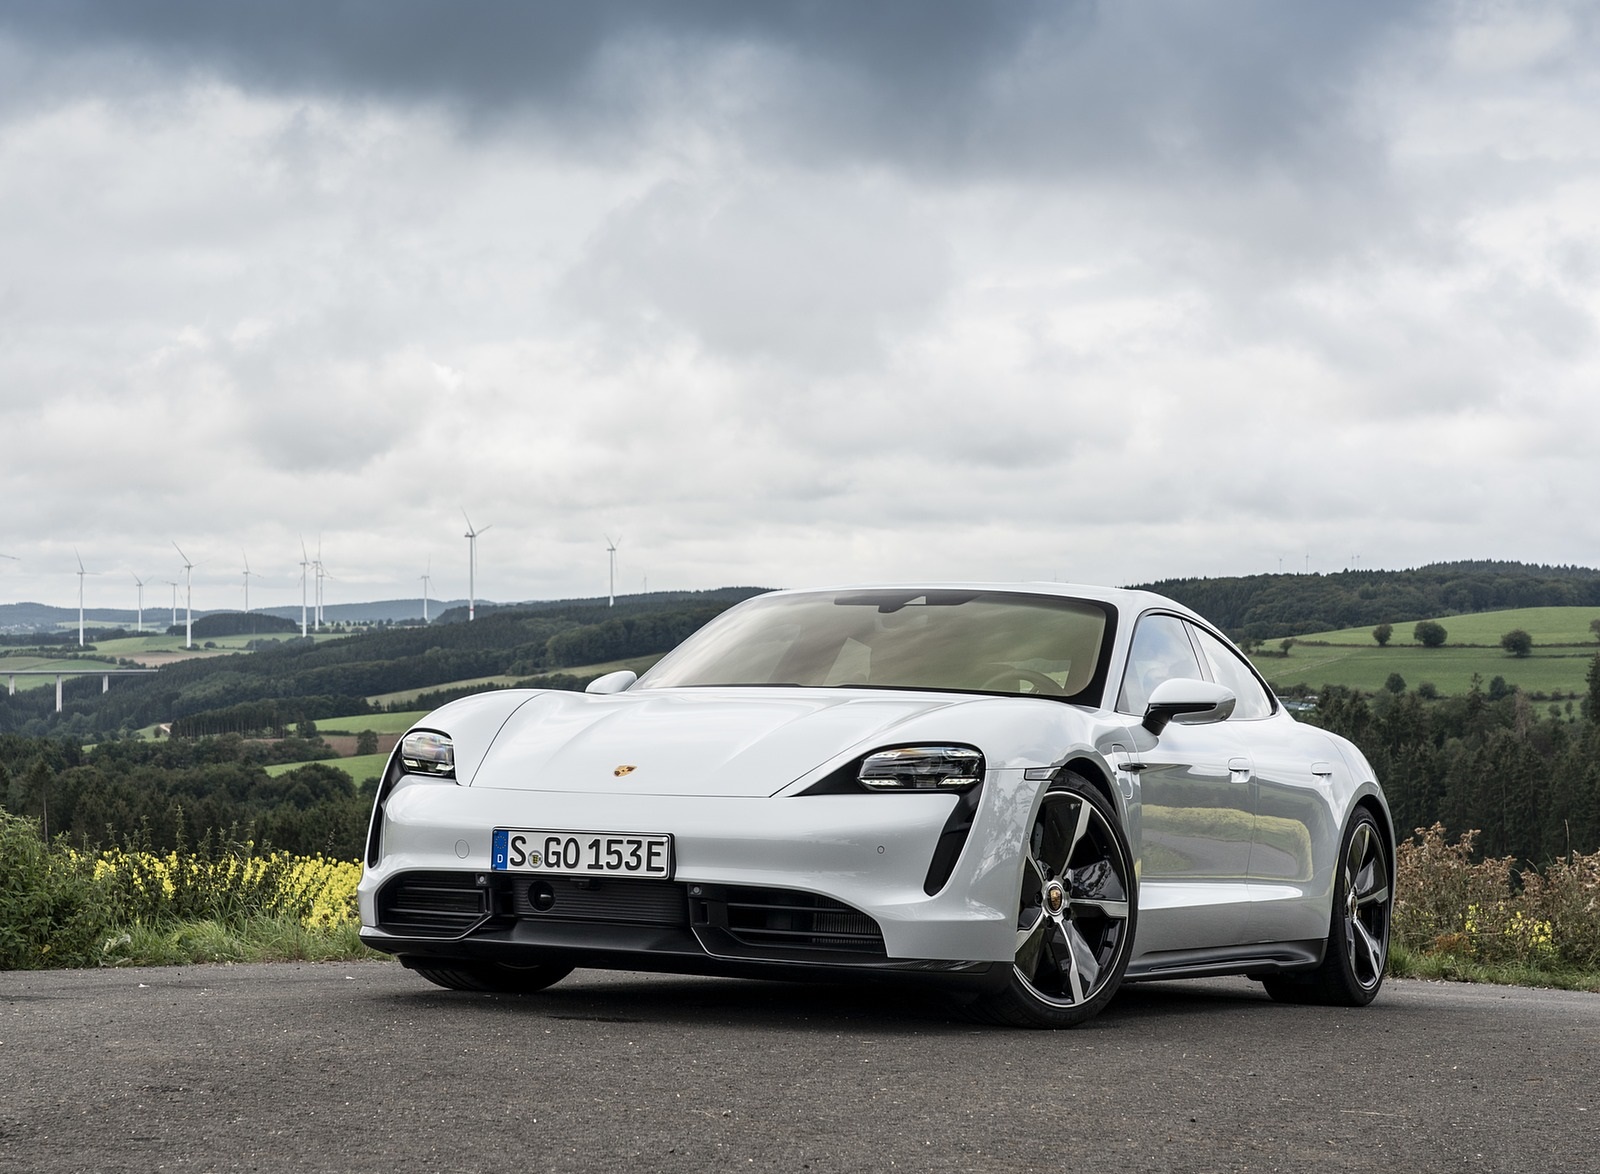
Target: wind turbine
611, 549
188, 598
305, 561
140, 621
472, 566
247, 573
425, 579
322, 573
81, 574
173, 583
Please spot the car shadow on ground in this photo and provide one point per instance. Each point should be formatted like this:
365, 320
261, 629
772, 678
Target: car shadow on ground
603, 997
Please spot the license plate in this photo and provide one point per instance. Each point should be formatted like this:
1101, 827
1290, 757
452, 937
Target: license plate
582, 853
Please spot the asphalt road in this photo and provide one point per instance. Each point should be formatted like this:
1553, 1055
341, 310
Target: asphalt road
365, 1067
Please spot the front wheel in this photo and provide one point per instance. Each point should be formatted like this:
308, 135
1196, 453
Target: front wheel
1358, 934
1075, 918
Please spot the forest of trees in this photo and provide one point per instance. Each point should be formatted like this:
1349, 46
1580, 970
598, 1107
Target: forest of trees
1526, 776
1265, 607
163, 795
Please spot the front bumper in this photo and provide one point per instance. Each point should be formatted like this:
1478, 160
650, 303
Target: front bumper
804, 886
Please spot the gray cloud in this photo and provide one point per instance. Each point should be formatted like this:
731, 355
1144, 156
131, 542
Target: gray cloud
951, 87
793, 292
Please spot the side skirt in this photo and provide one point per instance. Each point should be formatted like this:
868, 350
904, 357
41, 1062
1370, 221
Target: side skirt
1255, 960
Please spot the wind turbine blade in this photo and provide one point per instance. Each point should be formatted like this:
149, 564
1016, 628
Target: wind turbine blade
469, 521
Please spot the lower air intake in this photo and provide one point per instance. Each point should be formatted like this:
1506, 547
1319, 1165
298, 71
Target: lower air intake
433, 904
788, 920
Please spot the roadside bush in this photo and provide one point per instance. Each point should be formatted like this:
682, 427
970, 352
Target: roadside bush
1489, 911
51, 914
1567, 896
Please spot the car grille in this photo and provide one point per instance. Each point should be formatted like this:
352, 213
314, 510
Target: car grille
433, 904
629, 902
786, 919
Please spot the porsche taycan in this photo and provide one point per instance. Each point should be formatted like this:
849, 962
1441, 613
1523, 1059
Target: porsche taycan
1028, 794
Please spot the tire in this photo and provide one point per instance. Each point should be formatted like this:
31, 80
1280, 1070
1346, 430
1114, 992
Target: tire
1358, 933
1076, 914
497, 977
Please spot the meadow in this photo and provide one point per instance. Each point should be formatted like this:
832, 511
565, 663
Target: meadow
1551, 672
1547, 625
1563, 649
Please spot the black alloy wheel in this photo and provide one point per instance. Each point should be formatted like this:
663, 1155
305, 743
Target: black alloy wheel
1076, 913
1358, 935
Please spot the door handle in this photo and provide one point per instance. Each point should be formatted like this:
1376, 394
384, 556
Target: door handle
1240, 769
1322, 770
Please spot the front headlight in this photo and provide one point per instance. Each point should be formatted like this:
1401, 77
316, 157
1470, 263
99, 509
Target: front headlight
425, 752
922, 768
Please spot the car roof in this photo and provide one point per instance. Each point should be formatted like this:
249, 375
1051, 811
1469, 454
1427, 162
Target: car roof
1124, 599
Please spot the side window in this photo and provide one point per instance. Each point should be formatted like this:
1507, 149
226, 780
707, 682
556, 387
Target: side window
1232, 673
1161, 651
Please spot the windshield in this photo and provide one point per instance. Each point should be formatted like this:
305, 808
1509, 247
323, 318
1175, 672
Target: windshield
967, 640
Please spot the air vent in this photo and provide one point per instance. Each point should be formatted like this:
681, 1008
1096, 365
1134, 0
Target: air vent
622, 902
433, 904
785, 921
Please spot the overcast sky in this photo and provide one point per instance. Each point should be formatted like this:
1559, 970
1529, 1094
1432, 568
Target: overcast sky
791, 293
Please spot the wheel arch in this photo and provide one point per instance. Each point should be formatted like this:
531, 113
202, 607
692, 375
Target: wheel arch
1375, 807
1096, 775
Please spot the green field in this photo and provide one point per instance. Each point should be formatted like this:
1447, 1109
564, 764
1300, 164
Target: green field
1563, 670
359, 768
1563, 650
378, 723
1547, 625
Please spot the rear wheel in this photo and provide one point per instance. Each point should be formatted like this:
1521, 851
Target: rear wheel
1358, 934
499, 977
1076, 915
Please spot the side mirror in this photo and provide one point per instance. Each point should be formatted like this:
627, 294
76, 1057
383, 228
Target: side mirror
1187, 702
616, 682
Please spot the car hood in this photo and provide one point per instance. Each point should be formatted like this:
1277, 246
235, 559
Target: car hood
726, 742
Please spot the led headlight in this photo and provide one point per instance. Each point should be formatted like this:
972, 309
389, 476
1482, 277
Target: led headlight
425, 752
922, 768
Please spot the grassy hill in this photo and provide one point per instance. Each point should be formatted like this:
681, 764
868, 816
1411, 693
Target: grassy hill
1450, 670
1563, 650
1547, 626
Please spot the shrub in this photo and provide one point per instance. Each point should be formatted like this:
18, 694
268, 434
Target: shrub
1488, 911
1429, 634
50, 908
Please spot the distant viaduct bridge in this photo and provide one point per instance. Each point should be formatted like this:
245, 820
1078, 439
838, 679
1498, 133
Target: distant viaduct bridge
105, 676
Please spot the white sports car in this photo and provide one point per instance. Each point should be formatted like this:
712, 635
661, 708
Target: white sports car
1028, 793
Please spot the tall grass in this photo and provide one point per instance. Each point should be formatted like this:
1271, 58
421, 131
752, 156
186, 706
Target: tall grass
61, 906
